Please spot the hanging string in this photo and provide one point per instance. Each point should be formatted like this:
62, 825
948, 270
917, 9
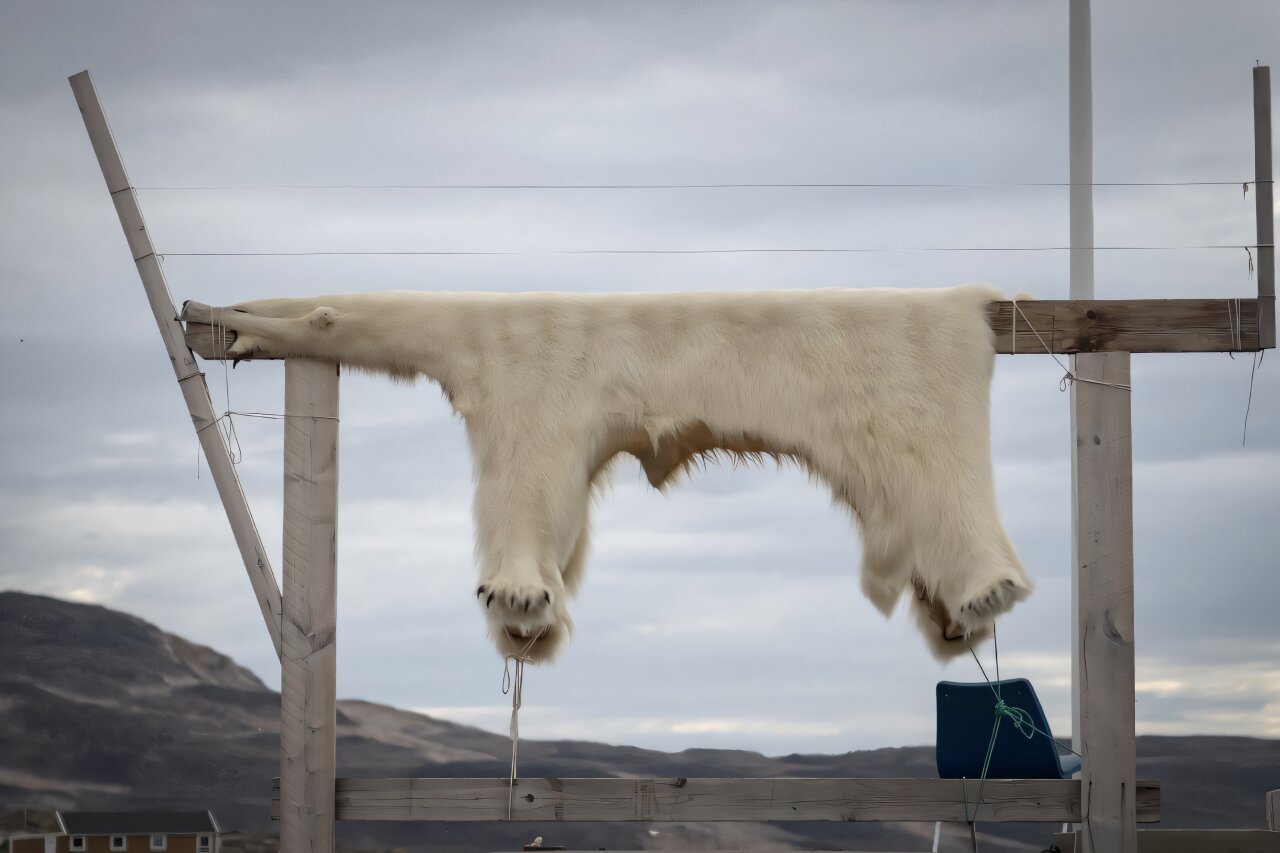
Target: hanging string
231, 440
1257, 362
219, 329
225, 422
1233, 320
1022, 722
514, 684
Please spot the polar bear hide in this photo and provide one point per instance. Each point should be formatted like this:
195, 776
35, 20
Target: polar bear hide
883, 394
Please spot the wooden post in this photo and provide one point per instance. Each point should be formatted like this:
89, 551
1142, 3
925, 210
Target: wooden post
1102, 688
308, 726
1263, 195
190, 379
1102, 601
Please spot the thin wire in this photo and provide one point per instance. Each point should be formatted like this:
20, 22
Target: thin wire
719, 186
1257, 360
739, 251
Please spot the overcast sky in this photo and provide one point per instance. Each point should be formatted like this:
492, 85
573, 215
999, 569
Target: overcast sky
727, 612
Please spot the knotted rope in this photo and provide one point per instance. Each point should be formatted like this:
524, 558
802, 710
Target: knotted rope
1022, 722
514, 684
1021, 719
1068, 376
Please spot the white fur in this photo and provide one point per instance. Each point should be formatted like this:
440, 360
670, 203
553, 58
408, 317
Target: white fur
883, 394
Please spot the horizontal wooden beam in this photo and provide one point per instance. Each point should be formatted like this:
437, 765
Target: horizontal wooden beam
681, 800
1125, 325
1189, 841
1057, 325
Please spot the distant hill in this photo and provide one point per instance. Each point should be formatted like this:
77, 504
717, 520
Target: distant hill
101, 710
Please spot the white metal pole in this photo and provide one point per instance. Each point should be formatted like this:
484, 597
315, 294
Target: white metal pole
1080, 107
1080, 133
190, 379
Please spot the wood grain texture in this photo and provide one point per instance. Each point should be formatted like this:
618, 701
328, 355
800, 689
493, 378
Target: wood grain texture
679, 800
1102, 596
1264, 206
308, 725
1190, 841
190, 380
1125, 325
1064, 326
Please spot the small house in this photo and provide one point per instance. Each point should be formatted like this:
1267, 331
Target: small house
32, 842
125, 832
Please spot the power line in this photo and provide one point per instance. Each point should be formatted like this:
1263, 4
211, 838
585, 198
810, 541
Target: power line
731, 251
975, 185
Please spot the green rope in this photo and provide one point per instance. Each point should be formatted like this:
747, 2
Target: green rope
1021, 720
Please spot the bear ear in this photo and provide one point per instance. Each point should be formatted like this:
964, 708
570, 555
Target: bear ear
322, 318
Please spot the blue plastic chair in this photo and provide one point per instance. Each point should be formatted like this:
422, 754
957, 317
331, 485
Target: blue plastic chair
966, 714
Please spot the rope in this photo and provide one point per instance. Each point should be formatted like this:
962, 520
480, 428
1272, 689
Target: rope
1233, 318
1022, 722
1069, 376
515, 686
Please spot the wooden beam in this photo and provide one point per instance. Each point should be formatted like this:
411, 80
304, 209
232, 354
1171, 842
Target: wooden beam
190, 379
679, 800
1264, 207
1066, 326
1125, 325
308, 725
1190, 841
1102, 597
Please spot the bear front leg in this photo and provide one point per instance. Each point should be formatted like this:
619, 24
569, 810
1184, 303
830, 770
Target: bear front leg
963, 583
531, 503
266, 333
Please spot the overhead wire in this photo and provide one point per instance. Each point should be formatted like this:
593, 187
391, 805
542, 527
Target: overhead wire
728, 251
704, 186
695, 251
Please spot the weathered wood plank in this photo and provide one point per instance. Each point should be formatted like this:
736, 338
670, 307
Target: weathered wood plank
682, 800
1066, 326
1264, 206
1126, 325
1189, 841
308, 725
1102, 596
190, 380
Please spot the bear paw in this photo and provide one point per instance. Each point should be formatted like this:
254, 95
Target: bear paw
524, 618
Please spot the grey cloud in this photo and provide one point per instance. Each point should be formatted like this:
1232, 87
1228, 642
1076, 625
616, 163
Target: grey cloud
726, 613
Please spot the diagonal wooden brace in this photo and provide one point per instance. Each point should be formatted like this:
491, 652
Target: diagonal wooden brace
190, 379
